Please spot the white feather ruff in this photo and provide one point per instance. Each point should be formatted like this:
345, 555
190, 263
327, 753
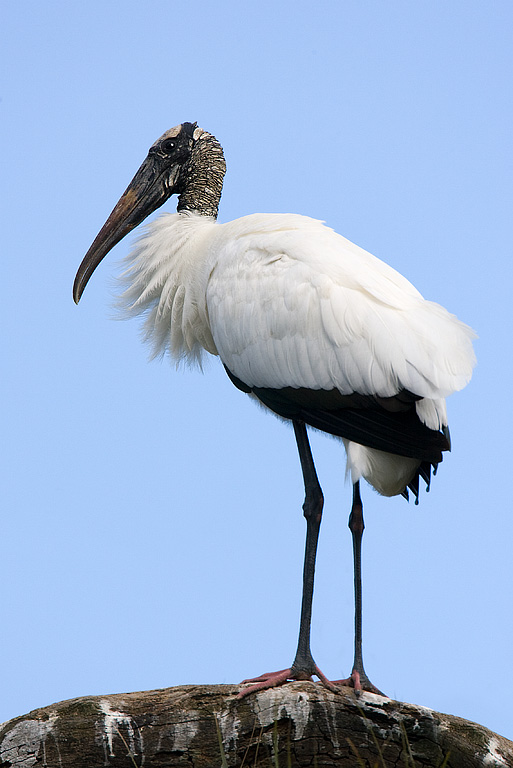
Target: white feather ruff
165, 281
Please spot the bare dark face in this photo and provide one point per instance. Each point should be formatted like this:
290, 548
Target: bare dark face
161, 175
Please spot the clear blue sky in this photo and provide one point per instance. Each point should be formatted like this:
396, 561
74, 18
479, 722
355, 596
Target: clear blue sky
151, 531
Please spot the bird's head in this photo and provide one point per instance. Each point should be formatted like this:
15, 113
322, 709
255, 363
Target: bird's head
171, 167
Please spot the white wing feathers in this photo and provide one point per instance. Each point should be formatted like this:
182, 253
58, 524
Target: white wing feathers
303, 307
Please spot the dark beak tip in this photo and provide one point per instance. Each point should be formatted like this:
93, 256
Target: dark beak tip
145, 193
78, 289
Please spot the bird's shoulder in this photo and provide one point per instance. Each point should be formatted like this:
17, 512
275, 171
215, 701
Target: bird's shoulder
271, 247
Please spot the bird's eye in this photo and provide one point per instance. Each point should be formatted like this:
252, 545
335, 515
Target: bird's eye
168, 146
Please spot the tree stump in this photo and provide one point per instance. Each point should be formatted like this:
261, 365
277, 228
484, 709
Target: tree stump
299, 724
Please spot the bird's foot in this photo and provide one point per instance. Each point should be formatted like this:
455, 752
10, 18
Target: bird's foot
272, 679
360, 682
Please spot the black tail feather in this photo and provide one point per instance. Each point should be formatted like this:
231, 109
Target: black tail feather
399, 432
385, 424
425, 473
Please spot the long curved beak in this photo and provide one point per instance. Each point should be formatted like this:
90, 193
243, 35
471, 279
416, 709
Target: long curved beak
151, 186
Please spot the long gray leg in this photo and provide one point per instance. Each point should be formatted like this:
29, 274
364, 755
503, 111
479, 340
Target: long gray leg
358, 678
303, 666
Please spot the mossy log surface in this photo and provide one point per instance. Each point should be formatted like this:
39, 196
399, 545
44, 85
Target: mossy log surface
299, 724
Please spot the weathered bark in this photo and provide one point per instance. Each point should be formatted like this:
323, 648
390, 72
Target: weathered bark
300, 724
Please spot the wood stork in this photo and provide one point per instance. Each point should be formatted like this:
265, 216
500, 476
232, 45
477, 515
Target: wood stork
318, 330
